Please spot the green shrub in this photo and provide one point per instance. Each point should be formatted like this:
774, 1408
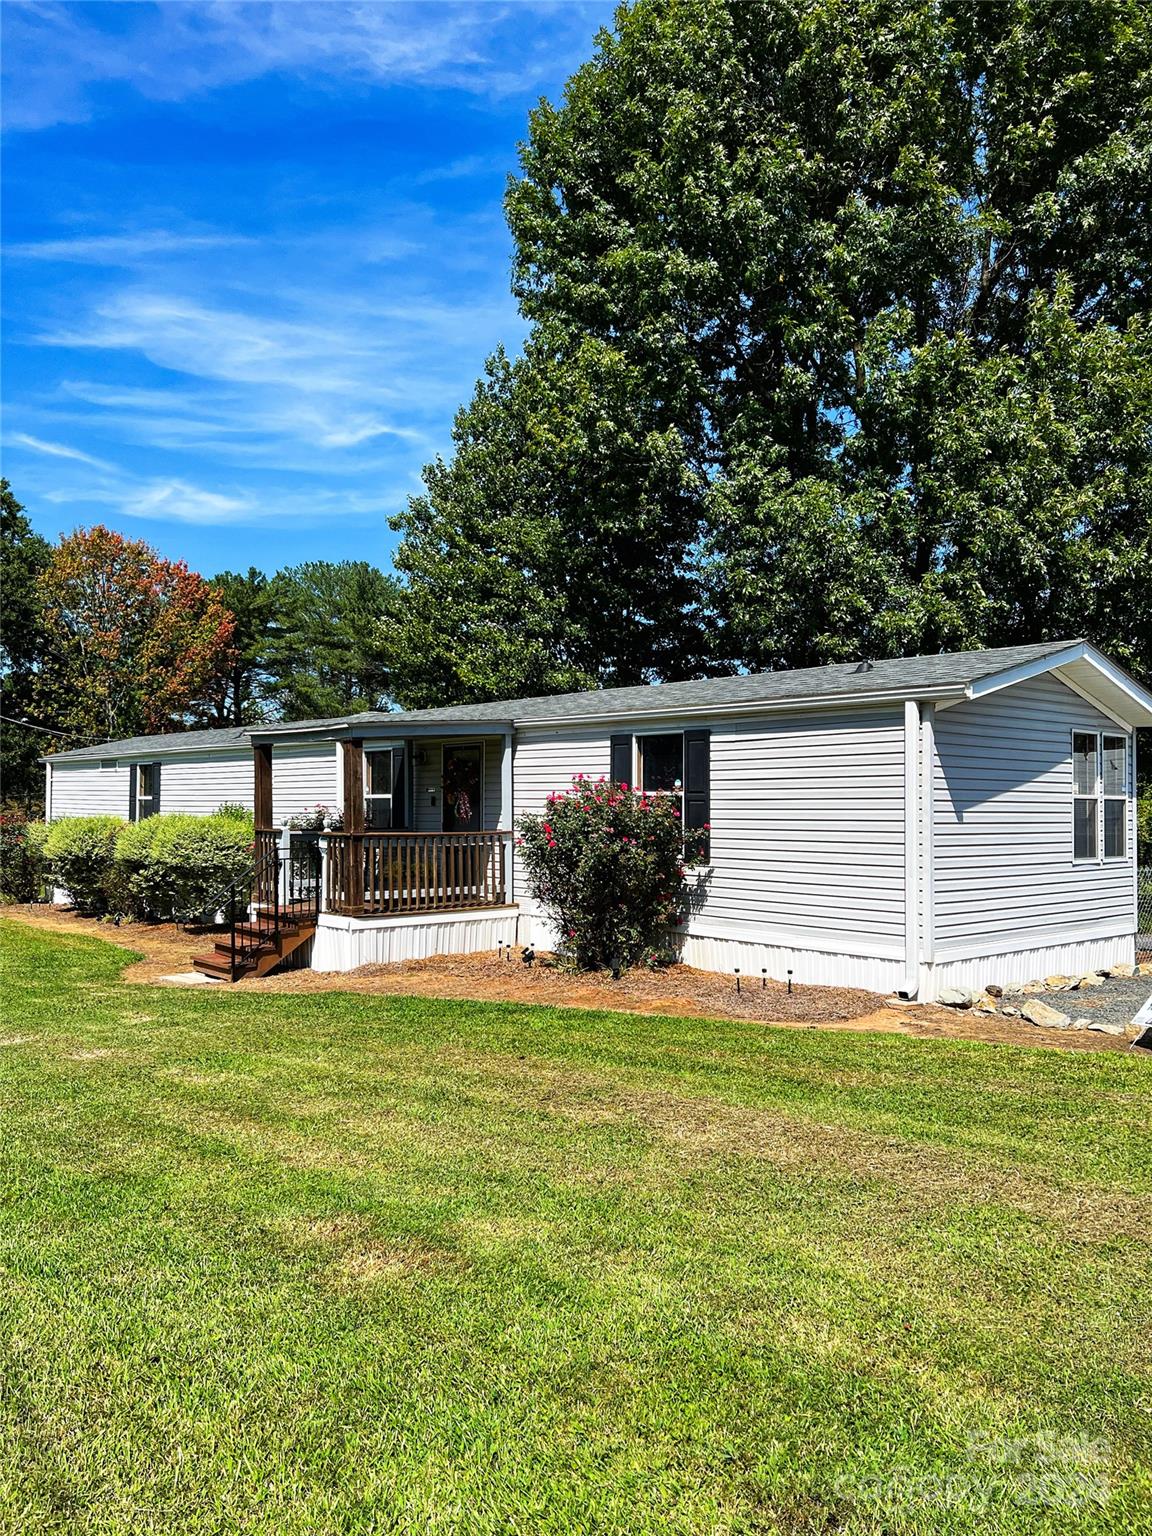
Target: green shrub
178, 867
231, 811
606, 864
80, 852
22, 868
1144, 825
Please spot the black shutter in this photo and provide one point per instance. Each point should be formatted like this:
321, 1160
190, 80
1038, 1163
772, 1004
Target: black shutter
621, 759
155, 789
132, 792
697, 781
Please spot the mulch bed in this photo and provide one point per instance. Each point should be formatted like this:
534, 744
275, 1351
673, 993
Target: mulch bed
678, 991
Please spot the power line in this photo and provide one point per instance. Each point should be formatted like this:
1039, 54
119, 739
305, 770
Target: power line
45, 731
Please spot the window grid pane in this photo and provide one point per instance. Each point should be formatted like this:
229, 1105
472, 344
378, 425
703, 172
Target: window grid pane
662, 763
1115, 765
1084, 763
1115, 827
1084, 829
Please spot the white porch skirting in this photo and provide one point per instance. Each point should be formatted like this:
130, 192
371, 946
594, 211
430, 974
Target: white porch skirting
835, 963
343, 943
1072, 958
809, 967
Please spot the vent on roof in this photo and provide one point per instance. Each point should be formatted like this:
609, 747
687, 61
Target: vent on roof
863, 666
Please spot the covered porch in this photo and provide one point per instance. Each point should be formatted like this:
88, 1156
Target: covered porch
425, 822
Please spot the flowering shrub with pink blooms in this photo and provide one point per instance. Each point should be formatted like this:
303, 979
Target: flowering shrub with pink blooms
606, 863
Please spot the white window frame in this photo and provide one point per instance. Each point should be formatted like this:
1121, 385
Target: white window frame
141, 798
391, 748
638, 768
1099, 798
1124, 799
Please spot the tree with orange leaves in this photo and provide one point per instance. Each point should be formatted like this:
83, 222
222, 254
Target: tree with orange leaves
134, 641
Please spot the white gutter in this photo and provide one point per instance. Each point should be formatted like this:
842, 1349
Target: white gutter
928, 834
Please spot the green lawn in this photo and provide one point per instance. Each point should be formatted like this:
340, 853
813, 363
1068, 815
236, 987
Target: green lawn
301, 1265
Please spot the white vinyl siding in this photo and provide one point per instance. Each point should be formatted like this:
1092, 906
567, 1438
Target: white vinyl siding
86, 789
198, 783
193, 783
304, 776
807, 815
1003, 837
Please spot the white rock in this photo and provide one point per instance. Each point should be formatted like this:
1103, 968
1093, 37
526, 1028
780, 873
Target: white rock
1058, 983
955, 997
1045, 1016
1010, 1013
1080, 1023
1123, 969
1101, 1028
1090, 979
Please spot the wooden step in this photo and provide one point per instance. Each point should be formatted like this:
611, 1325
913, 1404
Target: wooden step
256, 962
213, 965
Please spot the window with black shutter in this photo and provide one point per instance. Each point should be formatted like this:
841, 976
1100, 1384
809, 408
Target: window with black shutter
621, 759
698, 794
146, 791
675, 765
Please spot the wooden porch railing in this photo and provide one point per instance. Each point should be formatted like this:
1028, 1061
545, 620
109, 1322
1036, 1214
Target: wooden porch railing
397, 872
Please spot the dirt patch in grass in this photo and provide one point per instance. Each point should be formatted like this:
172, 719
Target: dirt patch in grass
679, 991
703, 1129
359, 1258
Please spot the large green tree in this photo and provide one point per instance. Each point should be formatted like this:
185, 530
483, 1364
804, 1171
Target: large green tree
326, 658
849, 298
23, 557
244, 690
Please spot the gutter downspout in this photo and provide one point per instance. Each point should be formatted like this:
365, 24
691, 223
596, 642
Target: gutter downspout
912, 814
927, 847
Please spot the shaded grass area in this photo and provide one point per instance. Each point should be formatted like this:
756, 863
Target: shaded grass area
336, 1263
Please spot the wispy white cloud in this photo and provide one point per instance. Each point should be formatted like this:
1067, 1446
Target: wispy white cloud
58, 54
330, 372
123, 249
55, 450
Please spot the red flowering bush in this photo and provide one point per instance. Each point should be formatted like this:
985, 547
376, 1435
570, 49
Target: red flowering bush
606, 865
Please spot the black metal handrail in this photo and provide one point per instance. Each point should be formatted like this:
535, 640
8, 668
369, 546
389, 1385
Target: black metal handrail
273, 894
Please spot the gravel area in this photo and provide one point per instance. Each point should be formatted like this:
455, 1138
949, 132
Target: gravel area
1115, 1001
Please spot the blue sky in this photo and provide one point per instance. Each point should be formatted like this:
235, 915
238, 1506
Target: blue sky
255, 258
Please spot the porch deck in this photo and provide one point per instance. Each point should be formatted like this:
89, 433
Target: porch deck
379, 874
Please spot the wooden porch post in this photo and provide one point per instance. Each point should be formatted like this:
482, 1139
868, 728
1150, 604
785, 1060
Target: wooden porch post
355, 880
262, 788
353, 786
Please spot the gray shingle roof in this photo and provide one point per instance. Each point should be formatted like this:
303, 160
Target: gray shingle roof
909, 676
158, 746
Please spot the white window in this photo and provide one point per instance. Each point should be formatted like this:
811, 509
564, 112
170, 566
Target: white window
1099, 795
1114, 792
380, 779
662, 766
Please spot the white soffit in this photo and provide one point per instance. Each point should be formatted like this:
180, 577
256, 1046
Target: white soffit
1088, 673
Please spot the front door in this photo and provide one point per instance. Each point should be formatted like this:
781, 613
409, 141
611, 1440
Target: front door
463, 789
